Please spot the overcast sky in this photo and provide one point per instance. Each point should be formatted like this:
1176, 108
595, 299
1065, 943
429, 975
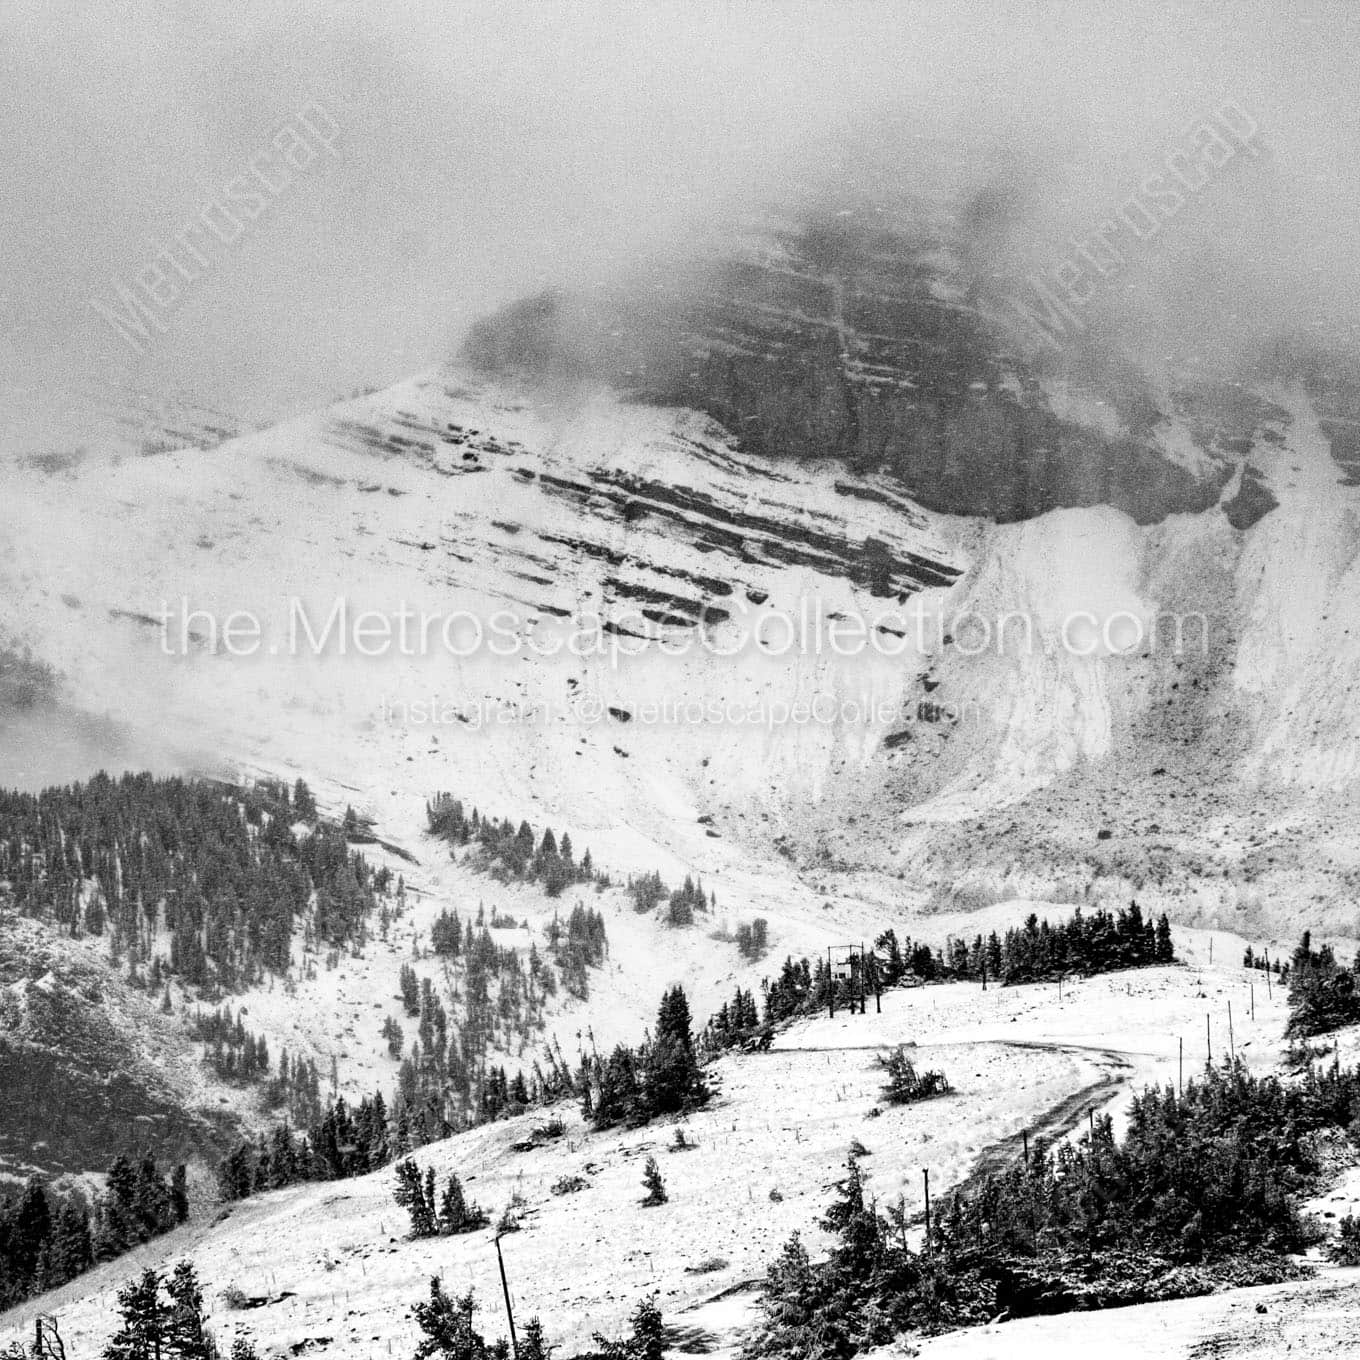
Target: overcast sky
490, 148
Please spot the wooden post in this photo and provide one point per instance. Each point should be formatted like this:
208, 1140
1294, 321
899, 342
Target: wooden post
1208, 1043
1232, 1051
509, 1312
1180, 1064
1211, 948
1253, 1002
925, 1177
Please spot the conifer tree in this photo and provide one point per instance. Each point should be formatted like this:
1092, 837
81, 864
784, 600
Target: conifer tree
534, 1344
653, 1184
141, 1334
184, 1333
410, 1194
646, 1341
448, 1330
456, 1215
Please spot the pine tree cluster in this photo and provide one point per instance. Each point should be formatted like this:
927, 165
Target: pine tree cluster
648, 891
1203, 1188
753, 939
1098, 942
48, 1237
153, 1327
231, 1050
734, 1021
661, 1076
445, 1215
218, 868
1323, 995
340, 1142
579, 945
509, 852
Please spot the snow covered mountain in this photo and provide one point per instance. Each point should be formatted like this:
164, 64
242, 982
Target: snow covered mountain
842, 691
1071, 706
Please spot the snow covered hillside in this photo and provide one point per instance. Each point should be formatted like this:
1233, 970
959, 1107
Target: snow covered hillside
1012, 728
329, 1266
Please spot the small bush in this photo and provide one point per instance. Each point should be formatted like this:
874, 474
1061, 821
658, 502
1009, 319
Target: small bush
1345, 1250
905, 1084
708, 1266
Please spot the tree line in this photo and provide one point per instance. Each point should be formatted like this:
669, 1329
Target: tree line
229, 873
1037, 951
49, 1236
630, 1086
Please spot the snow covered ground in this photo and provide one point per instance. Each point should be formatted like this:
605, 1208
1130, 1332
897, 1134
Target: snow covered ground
336, 1262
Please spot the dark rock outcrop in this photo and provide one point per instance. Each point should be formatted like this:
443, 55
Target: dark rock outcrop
885, 350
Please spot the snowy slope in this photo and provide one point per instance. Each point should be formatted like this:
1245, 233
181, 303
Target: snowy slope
1223, 769
334, 1258
1219, 784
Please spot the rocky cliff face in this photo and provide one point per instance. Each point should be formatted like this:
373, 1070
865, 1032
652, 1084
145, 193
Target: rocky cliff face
889, 350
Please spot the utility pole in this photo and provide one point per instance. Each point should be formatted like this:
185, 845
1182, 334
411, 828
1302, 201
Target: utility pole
1208, 1042
509, 1312
1180, 1064
1232, 1051
925, 1177
1252, 985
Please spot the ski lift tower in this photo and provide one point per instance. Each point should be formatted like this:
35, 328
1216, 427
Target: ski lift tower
854, 967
